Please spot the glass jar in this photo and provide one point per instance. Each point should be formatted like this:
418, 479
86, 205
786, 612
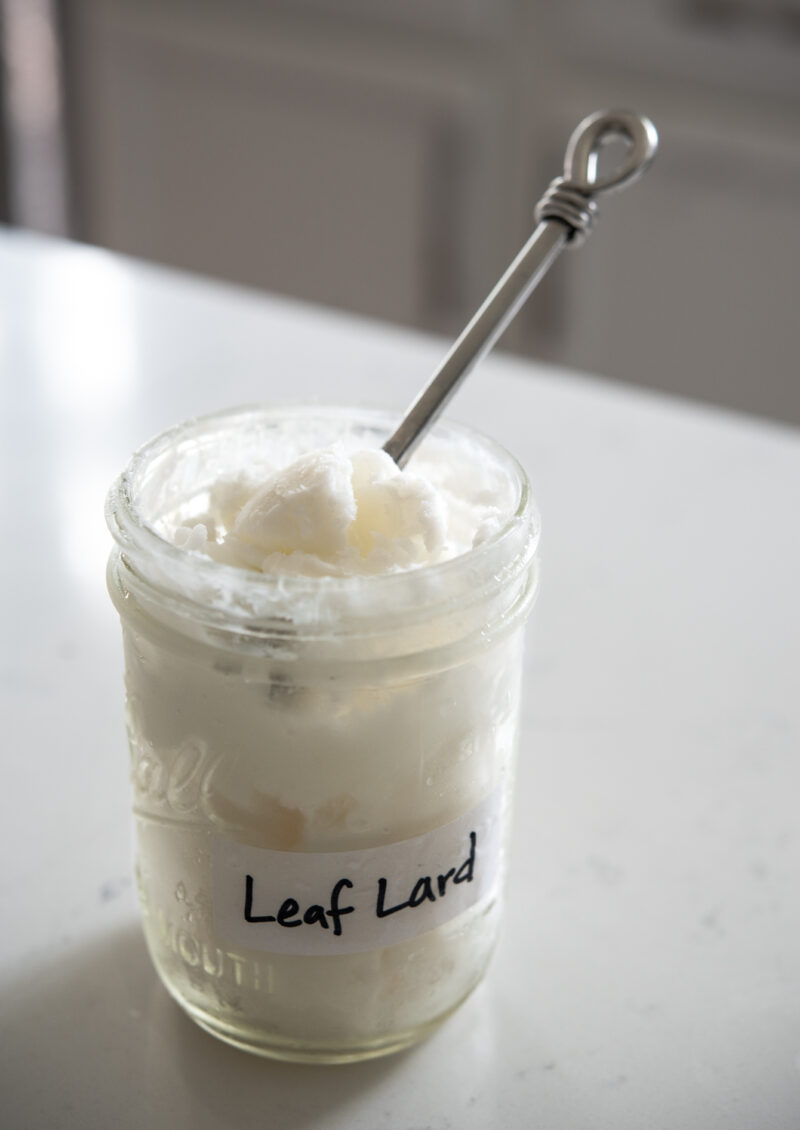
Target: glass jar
322, 766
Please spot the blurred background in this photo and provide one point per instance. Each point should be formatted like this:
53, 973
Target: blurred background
385, 159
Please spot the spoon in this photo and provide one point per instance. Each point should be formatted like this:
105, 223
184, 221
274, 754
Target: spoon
564, 216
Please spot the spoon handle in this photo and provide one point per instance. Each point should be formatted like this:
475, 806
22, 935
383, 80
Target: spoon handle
564, 216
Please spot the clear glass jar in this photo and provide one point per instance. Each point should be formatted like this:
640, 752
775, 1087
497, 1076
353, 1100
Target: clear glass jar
322, 766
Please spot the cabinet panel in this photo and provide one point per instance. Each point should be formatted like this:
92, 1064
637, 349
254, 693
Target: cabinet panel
690, 281
280, 169
734, 45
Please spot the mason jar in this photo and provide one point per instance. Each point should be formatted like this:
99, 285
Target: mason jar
322, 766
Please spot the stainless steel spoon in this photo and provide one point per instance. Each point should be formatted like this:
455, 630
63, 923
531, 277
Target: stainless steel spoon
564, 216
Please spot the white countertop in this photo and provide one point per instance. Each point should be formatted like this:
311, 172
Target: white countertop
649, 974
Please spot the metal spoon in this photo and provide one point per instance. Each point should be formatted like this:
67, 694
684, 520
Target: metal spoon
564, 216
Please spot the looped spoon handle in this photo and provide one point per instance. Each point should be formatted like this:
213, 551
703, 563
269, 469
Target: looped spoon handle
565, 216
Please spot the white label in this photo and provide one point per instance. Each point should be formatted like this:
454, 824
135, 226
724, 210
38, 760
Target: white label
350, 901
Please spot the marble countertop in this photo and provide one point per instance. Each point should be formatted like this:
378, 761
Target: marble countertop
649, 972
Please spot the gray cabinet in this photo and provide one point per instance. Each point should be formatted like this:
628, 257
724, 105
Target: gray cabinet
345, 172
386, 159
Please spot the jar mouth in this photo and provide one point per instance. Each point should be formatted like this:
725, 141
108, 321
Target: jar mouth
194, 579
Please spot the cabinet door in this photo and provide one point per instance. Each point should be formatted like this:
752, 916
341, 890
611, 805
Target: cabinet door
690, 281
247, 150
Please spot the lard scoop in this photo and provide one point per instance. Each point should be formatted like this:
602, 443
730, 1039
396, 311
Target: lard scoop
564, 217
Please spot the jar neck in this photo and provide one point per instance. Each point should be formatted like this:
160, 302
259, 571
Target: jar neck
433, 606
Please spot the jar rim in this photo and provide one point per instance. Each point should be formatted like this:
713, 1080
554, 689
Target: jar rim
136, 537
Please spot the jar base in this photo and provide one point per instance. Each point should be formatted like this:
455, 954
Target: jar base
271, 1047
